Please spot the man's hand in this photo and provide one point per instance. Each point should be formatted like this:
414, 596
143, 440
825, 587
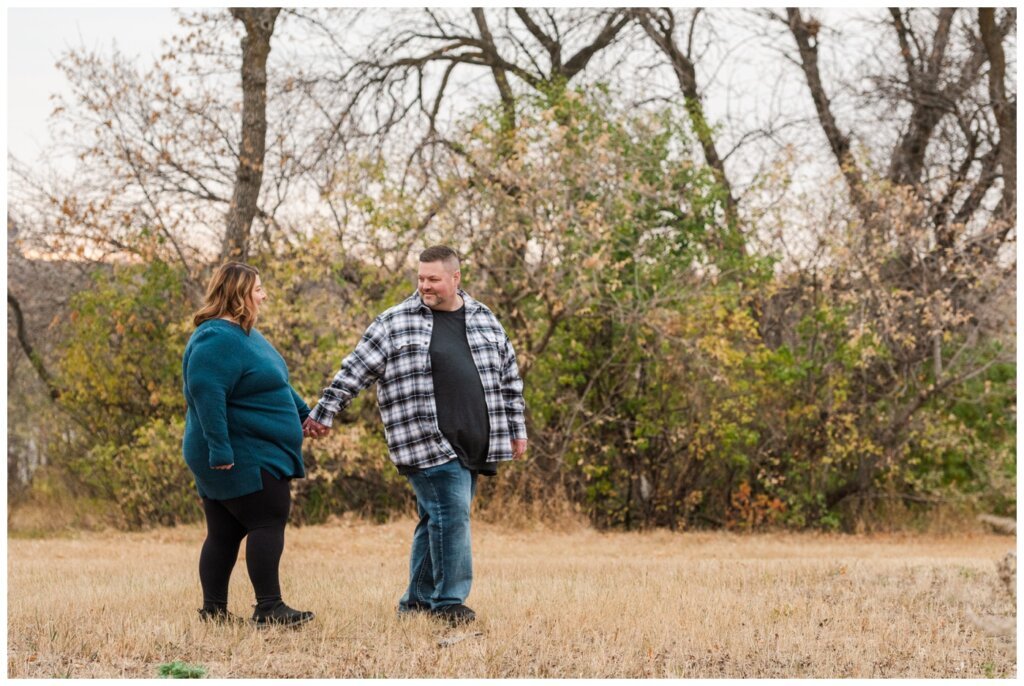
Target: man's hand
314, 429
223, 466
518, 448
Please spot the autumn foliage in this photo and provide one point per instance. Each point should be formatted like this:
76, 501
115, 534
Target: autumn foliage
683, 366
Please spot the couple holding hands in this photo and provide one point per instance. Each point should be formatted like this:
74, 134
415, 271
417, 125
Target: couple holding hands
450, 397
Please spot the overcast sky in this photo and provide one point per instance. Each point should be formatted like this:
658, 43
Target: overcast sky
38, 37
35, 40
756, 85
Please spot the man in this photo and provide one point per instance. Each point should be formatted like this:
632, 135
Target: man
452, 403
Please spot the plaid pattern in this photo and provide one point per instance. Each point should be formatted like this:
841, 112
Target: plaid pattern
395, 353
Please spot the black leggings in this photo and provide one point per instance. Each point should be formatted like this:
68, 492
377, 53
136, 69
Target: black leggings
261, 516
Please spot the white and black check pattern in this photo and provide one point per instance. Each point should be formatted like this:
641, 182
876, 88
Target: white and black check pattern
395, 352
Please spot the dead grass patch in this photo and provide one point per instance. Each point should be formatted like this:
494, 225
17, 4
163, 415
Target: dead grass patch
570, 603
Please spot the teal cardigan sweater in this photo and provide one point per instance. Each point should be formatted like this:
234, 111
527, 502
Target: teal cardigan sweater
241, 411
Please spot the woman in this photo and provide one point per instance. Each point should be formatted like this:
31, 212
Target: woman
243, 443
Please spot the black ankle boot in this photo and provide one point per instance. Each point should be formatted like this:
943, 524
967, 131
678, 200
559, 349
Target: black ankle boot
279, 614
454, 614
218, 614
412, 609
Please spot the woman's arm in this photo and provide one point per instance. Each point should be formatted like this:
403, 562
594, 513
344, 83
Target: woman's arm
213, 370
300, 405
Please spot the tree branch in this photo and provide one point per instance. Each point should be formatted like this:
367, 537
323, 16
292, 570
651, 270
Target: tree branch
33, 357
611, 29
686, 74
553, 47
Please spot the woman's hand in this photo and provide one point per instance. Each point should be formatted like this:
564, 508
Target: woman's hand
224, 466
314, 429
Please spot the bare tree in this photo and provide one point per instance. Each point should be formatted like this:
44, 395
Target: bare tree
661, 27
163, 155
939, 86
418, 59
928, 232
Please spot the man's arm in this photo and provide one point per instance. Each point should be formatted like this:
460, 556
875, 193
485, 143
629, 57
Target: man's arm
365, 365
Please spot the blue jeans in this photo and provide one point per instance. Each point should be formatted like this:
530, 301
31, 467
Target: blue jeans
441, 563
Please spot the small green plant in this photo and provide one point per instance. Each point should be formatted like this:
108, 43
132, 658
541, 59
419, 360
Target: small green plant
181, 670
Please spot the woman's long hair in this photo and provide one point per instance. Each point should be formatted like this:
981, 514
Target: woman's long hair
230, 294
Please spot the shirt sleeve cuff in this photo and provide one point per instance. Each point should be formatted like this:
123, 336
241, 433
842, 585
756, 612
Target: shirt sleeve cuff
320, 415
221, 458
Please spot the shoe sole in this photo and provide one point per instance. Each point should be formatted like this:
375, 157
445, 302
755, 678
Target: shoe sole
459, 624
287, 625
454, 621
413, 611
221, 619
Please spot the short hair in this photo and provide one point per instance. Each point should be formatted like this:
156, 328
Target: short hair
440, 253
230, 293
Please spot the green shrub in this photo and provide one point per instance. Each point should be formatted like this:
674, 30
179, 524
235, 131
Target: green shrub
147, 478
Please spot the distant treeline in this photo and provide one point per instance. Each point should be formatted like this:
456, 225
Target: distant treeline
675, 375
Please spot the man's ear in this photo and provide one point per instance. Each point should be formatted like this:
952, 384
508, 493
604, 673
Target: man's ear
457, 276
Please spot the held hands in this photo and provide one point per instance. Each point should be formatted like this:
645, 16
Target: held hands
518, 448
314, 429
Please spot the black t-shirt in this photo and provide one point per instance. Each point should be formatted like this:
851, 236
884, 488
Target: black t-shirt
458, 392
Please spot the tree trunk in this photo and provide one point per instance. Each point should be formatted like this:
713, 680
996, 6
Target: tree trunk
259, 26
805, 34
908, 159
1005, 111
508, 101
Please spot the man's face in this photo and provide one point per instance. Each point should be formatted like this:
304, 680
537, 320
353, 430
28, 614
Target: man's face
438, 284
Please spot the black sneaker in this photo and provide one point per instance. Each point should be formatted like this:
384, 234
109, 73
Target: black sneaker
280, 615
218, 615
412, 609
454, 614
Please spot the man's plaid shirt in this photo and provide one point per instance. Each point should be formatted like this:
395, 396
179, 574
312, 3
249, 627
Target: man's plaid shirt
395, 352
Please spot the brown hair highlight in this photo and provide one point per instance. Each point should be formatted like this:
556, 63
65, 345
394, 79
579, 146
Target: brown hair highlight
230, 295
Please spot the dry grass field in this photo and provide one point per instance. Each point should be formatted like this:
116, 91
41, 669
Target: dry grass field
571, 603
